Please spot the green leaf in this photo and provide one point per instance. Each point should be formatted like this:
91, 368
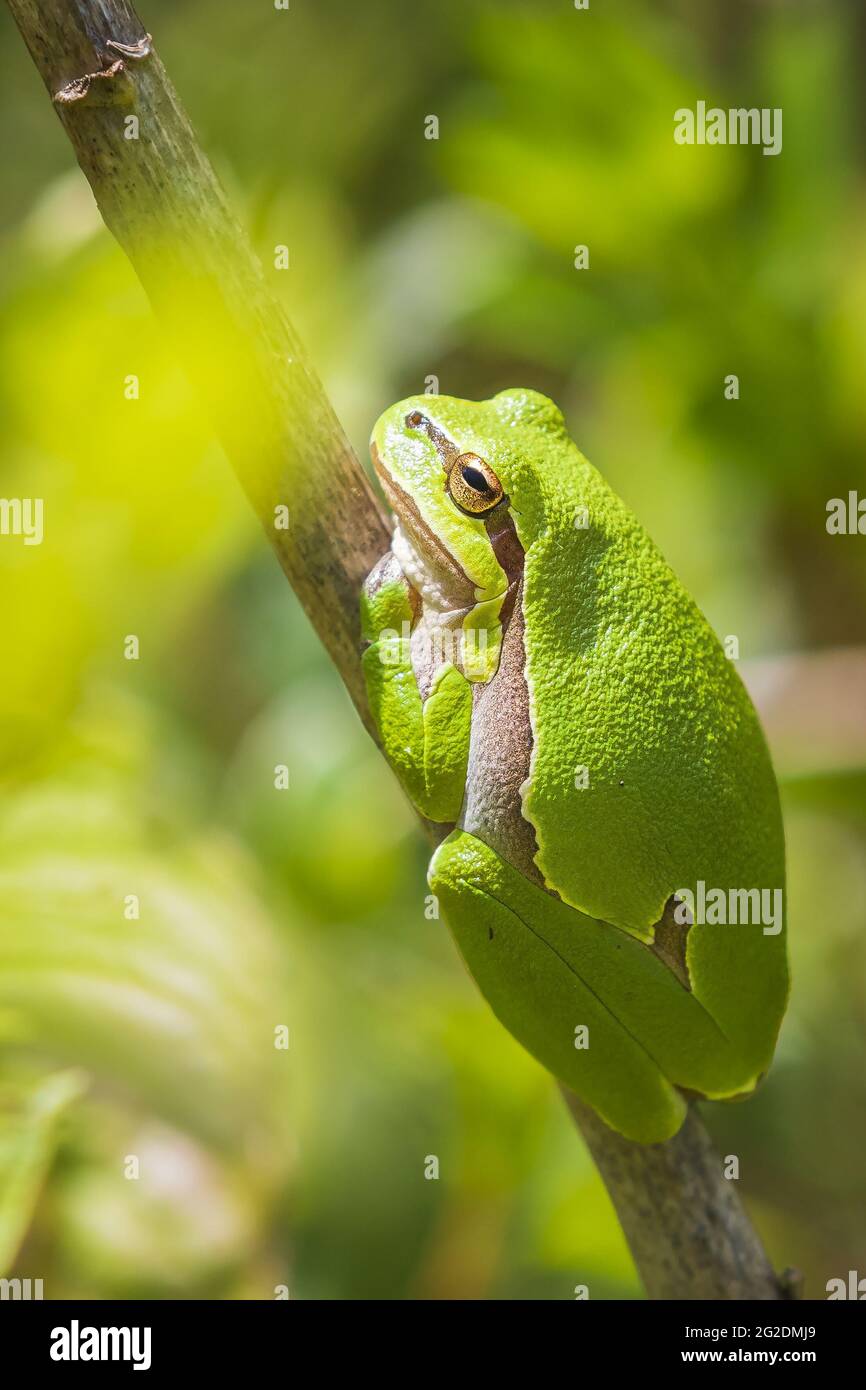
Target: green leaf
28, 1143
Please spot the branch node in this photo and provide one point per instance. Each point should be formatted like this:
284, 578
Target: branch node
110, 87
136, 51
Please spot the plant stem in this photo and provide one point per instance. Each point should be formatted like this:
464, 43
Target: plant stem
160, 197
158, 194
684, 1221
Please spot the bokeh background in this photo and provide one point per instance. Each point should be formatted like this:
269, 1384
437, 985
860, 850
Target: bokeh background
154, 1036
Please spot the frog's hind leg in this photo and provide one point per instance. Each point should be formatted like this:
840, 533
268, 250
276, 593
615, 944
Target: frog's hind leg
509, 933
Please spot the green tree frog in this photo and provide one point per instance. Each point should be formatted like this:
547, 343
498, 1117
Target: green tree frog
554, 701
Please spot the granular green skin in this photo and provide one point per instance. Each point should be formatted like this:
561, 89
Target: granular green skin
648, 774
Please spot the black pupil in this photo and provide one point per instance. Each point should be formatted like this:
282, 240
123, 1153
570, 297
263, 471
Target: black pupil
476, 479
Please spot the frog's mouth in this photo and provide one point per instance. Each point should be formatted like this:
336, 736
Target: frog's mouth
438, 578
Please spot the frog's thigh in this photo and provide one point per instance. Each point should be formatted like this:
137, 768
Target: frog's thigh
542, 1002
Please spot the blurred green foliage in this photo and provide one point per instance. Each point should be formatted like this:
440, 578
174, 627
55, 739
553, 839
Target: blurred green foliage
153, 1036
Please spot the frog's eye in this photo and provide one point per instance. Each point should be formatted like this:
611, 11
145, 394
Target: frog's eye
473, 485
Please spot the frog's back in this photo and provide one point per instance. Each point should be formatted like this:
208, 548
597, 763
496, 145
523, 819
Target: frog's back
649, 772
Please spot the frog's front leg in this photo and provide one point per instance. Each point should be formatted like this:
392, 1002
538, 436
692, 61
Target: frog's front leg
426, 740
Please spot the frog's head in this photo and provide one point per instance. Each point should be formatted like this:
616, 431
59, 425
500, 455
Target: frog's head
449, 469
